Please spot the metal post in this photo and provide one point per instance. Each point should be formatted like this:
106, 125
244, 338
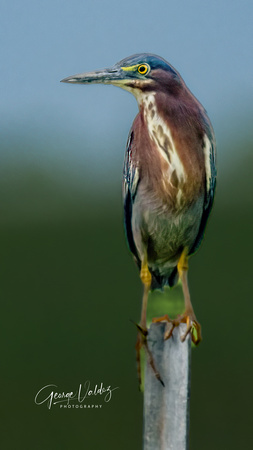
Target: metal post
166, 409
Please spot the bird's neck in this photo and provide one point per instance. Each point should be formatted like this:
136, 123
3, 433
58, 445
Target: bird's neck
169, 151
161, 137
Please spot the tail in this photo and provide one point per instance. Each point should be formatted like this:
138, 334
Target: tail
159, 281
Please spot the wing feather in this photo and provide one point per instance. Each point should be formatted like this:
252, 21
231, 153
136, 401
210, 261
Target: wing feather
131, 180
209, 149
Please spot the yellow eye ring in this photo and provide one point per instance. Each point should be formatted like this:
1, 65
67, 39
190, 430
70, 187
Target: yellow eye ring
142, 69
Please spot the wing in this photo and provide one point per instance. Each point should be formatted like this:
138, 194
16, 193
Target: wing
209, 149
130, 185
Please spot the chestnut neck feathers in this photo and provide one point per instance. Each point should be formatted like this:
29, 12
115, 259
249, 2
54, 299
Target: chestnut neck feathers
169, 137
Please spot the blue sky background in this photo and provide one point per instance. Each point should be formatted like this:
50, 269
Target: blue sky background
209, 43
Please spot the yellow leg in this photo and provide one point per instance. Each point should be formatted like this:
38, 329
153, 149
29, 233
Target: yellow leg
188, 316
146, 279
182, 265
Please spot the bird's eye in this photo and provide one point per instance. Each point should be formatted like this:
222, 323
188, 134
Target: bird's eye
142, 69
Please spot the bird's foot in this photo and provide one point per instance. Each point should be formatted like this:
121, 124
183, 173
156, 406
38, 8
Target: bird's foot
188, 317
142, 342
170, 325
193, 327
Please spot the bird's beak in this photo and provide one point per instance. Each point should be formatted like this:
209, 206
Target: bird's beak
112, 75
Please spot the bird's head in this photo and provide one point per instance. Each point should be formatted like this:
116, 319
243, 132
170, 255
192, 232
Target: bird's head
138, 74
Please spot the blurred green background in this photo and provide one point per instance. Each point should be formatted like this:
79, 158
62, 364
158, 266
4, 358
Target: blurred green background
69, 287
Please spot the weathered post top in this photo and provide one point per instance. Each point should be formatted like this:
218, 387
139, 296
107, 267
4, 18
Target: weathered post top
166, 409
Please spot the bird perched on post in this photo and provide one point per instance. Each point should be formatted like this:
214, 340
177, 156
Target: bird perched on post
168, 181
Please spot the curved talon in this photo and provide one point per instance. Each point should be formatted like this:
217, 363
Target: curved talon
169, 330
196, 339
152, 364
170, 325
192, 325
188, 329
143, 331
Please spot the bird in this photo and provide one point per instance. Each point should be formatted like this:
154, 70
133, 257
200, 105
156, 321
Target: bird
169, 180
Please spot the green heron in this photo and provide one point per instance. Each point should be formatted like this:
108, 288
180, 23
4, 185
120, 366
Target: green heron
168, 180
